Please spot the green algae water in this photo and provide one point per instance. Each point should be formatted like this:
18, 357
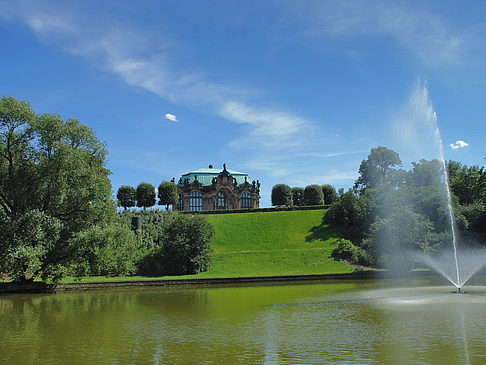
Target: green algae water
351, 322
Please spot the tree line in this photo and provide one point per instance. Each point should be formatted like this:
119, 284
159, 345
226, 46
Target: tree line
391, 211
57, 215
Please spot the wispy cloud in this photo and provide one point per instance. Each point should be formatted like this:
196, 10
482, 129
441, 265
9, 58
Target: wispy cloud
332, 154
412, 26
171, 117
459, 144
272, 128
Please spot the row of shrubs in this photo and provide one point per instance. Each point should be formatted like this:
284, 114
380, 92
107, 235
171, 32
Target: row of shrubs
144, 196
258, 210
284, 195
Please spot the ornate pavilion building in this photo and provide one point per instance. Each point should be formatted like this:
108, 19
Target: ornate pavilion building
211, 189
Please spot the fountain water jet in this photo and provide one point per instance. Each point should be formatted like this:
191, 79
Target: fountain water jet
457, 283
475, 263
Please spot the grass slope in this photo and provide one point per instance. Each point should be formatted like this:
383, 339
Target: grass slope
273, 243
265, 244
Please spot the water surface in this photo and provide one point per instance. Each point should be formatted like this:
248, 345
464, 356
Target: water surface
353, 322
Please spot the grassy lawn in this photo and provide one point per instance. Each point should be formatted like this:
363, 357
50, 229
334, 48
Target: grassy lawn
273, 243
266, 244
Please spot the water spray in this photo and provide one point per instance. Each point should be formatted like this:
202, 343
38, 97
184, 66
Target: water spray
449, 199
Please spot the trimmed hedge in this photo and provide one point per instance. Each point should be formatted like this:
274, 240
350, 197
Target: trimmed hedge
273, 209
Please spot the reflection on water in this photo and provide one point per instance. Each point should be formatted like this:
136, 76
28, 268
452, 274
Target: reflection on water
354, 322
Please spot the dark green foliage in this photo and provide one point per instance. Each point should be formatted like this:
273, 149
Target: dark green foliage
153, 225
167, 193
475, 216
127, 196
426, 173
347, 251
171, 243
52, 173
106, 250
329, 194
281, 195
183, 247
430, 201
145, 195
313, 195
351, 214
187, 245
467, 183
298, 197
31, 236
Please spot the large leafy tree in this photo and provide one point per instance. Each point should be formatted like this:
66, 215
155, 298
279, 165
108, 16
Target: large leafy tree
145, 195
53, 184
380, 168
126, 196
167, 193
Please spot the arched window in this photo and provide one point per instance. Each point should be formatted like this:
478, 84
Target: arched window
245, 201
222, 202
195, 201
180, 203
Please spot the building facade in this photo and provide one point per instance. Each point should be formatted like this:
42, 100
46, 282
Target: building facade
212, 189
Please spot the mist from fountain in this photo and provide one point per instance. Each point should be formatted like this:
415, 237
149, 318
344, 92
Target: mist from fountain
469, 262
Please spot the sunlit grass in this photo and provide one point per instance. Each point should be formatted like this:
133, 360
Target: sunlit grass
264, 244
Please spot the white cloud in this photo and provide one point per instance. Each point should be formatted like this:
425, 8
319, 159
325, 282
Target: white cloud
459, 144
171, 117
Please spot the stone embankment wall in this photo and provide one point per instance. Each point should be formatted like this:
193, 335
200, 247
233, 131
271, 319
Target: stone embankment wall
46, 288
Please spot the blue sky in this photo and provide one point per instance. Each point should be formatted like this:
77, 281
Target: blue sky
293, 92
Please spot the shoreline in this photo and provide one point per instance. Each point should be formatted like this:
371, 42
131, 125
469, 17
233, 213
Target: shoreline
40, 287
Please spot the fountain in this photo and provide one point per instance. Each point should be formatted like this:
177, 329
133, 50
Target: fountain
471, 261
457, 283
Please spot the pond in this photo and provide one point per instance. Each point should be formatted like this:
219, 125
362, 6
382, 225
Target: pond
351, 322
